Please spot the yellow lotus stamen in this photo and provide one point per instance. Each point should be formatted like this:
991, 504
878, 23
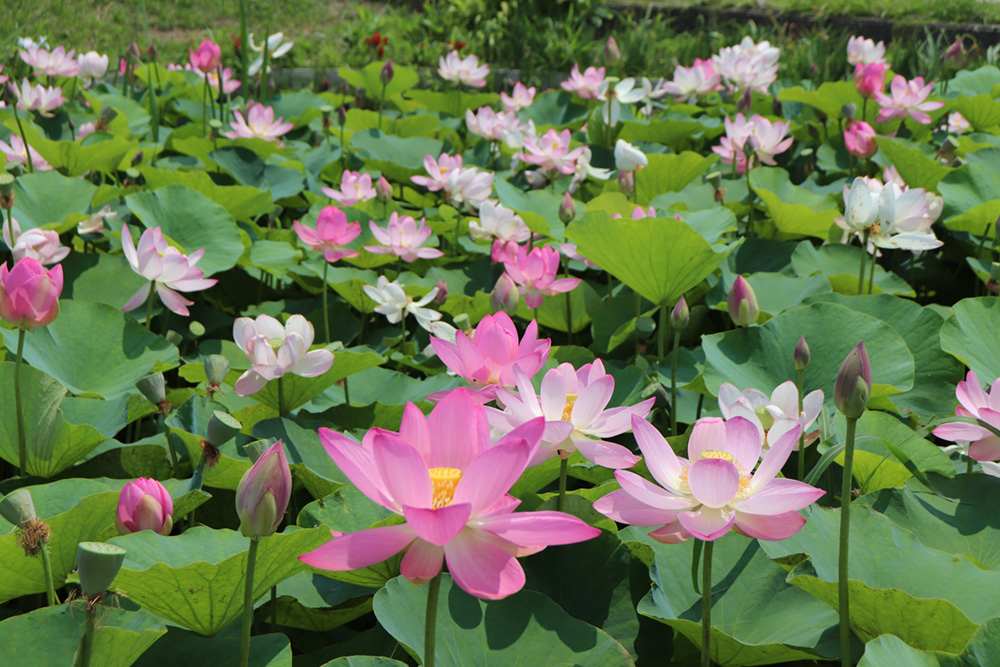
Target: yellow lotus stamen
568, 410
718, 454
445, 480
276, 343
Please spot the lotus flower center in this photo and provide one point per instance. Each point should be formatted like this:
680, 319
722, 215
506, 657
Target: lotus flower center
444, 481
568, 410
718, 454
275, 343
765, 418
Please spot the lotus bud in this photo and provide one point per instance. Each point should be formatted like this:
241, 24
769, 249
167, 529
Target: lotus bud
849, 110
505, 295
626, 183
742, 303
612, 54
442, 292
10, 95
6, 190
384, 190
680, 315
153, 387
567, 209
800, 358
954, 54
18, 508
854, 383
144, 505
327, 112
222, 427
134, 52
254, 450
342, 116
263, 493
98, 564
137, 159
388, 71
216, 368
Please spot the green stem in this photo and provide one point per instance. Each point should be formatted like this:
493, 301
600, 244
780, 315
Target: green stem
244, 55
706, 604
563, 471
569, 316
347, 393
969, 464
695, 562
86, 649
381, 104
871, 274
430, 620
274, 609
326, 310
154, 109
802, 436
661, 334
263, 69
864, 109
170, 444
149, 304
750, 198
22, 449
248, 603
24, 138
281, 397
50, 591
864, 258
845, 533
222, 102
204, 108
673, 383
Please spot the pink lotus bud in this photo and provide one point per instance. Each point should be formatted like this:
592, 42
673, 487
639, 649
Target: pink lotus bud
263, 493
612, 54
388, 71
442, 292
680, 315
626, 183
869, 79
854, 383
567, 209
955, 54
743, 303
505, 295
29, 295
383, 190
144, 505
207, 58
859, 137
800, 358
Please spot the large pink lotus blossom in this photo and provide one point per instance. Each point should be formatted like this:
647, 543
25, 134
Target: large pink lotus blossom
869, 79
551, 152
974, 402
93, 67
40, 244
355, 188
144, 504
331, 234
574, 404
403, 238
487, 360
907, 98
775, 415
496, 221
259, 123
29, 294
439, 170
446, 477
748, 66
16, 152
865, 51
535, 271
207, 58
767, 139
690, 82
57, 62
585, 85
491, 125
165, 268
466, 70
521, 98
718, 490
39, 98
859, 138
276, 350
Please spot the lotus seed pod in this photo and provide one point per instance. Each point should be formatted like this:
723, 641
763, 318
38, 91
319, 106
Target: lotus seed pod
222, 427
17, 507
153, 387
216, 368
98, 564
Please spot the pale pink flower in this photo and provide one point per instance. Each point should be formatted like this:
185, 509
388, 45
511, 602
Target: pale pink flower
690, 82
773, 415
402, 238
208, 56
276, 350
498, 222
466, 70
908, 98
491, 125
40, 244
748, 66
39, 98
865, 51
957, 124
395, 303
439, 170
259, 123
767, 139
93, 67
859, 138
974, 402
165, 268
535, 274
522, 97
16, 152
229, 84
332, 233
869, 79
355, 188
469, 186
51, 63
585, 85
551, 152
85, 129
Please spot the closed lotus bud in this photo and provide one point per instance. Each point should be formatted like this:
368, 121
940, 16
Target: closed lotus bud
98, 564
849, 110
263, 493
800, 358
10, 95
442, 292
134, 52
17, 507
626, 183
567, 209
216, 368
137, 159
854, 383
388, 71
342, 115
383, 190
680, 315
222, 427
505, 295
612, 54
144, 505
153, 387
742, 303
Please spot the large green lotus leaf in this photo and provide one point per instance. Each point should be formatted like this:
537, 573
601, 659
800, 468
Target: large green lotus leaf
395, 157
776, 292
970, 335
52, 444
297, 391
920, 328
757, 618
196, 579
99, 278
388, 387
795, 210
891, 650
403, 79
665, 130
180, 647
659, 259
307, 457
248, 169
363, 661
840, 264
36, 202
192, 221
314, 602
525, 628
915, 167
242, 202
970, 202
554, 108
761, 357
975, 82
929, 599
84, 333
539, 208
982, 112
453, 102
829, 98
76, 510
134, 112
669, 173
120, 638
99, 152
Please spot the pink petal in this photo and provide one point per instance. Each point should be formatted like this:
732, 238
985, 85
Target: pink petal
250, 383
986, 449
358, 464
707, 523
459, 430
622, 507
422, 562
960, 432
607, 454
779, 496
137, 299
533, 529
714, 482
661, 460
413, 429
744, 441
592, 401
173, 300
775, 458
553, 394
672, 533
650, 494
769, 527
707, 434
360, 549
402, 469
314, 364
786, 397
438, 526
491, 474
482, 568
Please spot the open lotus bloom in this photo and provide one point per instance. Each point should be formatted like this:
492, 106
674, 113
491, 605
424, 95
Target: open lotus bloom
748, 66
974, 402
718, 488
865, 51
276, 350
496, 221
585, 85
331, 234
535, 274
16, 151
166, 268
773, 415
767, 139
355, 187
893, 216
466, 70
438, 171
395, 304
93, 67
615, 93
574, 404
39, 98
57, 62
551, 152
521, 98
449, 480
403, 238
907, 98
276, 48
259, 123
40, 244
691, 82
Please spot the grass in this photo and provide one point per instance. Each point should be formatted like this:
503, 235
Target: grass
909, 11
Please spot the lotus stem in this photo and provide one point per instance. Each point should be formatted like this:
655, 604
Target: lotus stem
845, 534
248, 603
50, 591
326, 309
24, 138
673, 383
871, 274
263, 69
430, 620
244, 45
86, 649
864, 258
274, 609
706, 604
281, 397
149, 304
563, 471
170, 444
205, 107
661, 333
569, 316
22, 449
970, 464
750, 198
381, 104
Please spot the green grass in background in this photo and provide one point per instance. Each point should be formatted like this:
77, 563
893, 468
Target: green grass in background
911, 11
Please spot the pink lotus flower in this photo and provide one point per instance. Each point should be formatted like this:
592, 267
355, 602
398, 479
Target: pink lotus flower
742, 303
468, 186
466, 70
869, 79
40, 244
229, 84
29, 295
522, 98
748, 66
717, 491
93, 67
498, 222
355, 188
491, 125
974, 402
51, 63
535, 274
775, 415
259, 124
906, 98
144, 505
957, 124
859, 137
766, 138
276, 350
573, 403
585, 85
403, 238
332, 233
638, 213
439, 171
208, 57
39, 98
449, 481
865, 51
569, 251
487, 360
3, 77
166, 269
690, 82
551, 152
85, 130
263, 493
16, 152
